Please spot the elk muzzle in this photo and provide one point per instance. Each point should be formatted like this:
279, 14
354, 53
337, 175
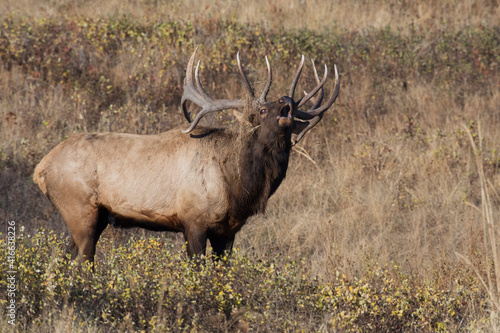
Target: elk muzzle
286, 110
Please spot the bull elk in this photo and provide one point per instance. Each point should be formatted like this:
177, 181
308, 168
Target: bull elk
202, 181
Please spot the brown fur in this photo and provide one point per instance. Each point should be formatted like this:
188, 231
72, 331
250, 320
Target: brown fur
205, 184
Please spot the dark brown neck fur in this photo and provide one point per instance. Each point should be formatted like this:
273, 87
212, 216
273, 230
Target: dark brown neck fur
262, 165
253, 164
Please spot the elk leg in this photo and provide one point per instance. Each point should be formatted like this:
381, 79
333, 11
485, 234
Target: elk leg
221, 244
85, 223
102, 223
196, 241
72, 248
87, 248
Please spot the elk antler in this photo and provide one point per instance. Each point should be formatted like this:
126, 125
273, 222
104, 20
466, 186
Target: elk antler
247, 85
199, 96
317, 101
320, 85
296, 79
315, 114
316, 104
263, 96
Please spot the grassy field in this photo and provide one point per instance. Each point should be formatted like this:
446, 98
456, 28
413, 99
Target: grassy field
389, 216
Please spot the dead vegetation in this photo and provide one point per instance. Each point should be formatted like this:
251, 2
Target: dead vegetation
388, 176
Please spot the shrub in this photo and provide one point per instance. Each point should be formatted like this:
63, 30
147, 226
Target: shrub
147, 285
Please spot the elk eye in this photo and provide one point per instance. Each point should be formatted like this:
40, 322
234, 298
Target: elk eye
263, 111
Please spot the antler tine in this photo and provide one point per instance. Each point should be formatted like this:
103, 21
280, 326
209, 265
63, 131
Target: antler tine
320, 84
312, 123
296, 78
199, 86
317, 100
317, 112
189, 69
268, 83
199, 96
316, 103
331, 99
188, 81
247, 85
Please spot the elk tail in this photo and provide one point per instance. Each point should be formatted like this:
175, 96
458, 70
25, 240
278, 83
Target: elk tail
39, 175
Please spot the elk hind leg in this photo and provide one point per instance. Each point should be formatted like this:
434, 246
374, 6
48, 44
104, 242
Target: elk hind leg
85, 223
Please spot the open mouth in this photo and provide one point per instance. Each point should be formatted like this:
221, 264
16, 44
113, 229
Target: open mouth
285, 116
285, 112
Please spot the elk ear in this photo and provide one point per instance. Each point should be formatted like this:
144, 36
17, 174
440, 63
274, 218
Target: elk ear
241, 119
299, 126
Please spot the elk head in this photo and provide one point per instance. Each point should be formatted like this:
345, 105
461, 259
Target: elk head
284, 116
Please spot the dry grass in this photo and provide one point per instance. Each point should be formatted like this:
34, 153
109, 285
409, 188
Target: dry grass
389, 176
357, 15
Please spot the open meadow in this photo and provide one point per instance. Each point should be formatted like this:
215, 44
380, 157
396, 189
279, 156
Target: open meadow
388, 220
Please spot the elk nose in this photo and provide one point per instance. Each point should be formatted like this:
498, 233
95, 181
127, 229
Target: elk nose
286, 108
286, 100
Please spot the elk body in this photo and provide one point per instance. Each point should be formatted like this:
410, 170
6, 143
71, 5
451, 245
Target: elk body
203, 182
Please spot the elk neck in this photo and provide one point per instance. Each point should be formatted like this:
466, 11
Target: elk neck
262, 163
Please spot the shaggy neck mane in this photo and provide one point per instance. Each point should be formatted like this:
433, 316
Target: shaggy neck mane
262, 163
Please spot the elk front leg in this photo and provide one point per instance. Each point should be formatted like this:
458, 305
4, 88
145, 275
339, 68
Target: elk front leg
196, 241
221, 245
72, 249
